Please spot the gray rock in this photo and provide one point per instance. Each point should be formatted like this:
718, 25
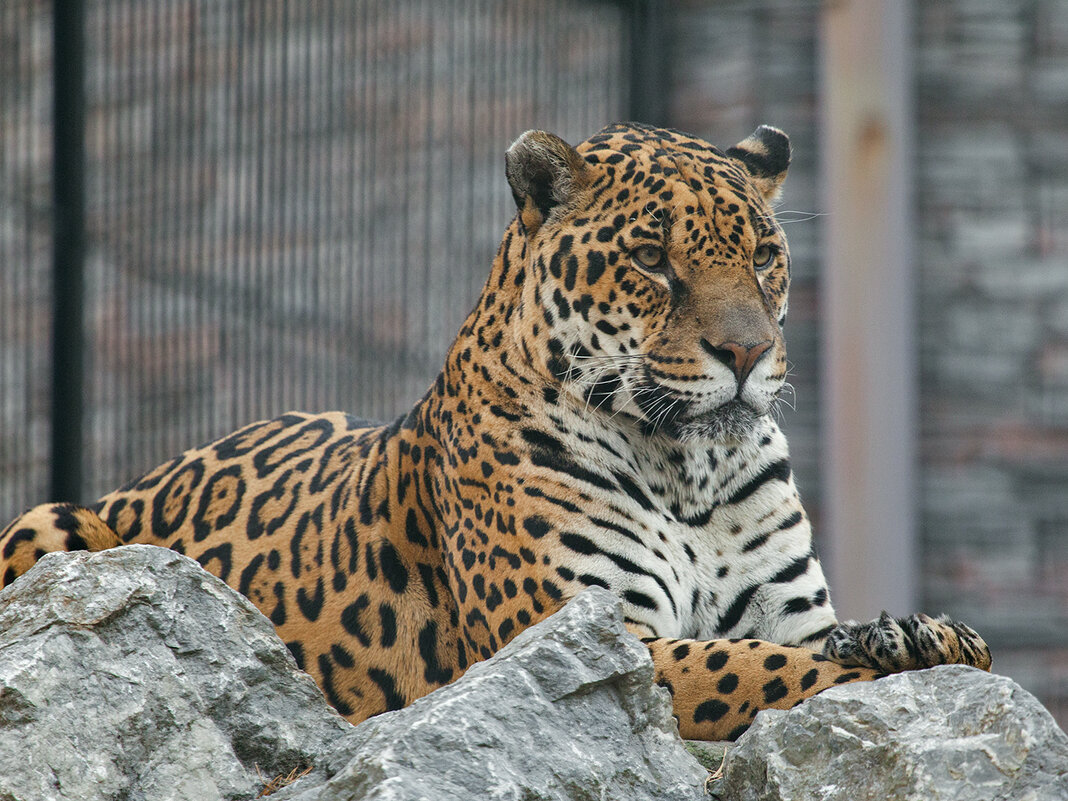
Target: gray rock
935, 735
567, 710
133, 674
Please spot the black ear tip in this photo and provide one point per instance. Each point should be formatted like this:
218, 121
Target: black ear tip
776, 145
765, 152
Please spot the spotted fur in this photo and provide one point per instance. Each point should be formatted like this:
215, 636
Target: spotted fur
604, 417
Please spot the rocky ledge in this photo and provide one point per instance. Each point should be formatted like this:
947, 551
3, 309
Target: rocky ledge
133, 674
950, 733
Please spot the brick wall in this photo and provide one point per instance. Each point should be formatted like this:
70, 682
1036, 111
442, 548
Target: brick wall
271, 266
25, 250
737, 65
291, 205
991, 232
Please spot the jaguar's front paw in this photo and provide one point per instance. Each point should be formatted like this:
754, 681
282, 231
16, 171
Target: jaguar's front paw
915, 642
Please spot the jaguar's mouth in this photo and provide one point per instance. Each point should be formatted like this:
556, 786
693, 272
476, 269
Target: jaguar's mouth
734, 420
673, 415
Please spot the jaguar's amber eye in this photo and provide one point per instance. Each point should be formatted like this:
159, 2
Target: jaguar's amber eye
648, 256
764, 257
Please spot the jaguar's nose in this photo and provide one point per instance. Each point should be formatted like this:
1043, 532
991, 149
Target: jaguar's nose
741, 359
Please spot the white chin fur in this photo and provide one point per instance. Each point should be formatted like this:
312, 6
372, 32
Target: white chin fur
731, 421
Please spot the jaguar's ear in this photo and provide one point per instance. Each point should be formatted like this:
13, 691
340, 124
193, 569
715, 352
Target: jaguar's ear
765, 154
544, 172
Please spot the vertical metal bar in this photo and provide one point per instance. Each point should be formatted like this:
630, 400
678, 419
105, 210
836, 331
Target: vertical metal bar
68, 255
649, 62
868, 348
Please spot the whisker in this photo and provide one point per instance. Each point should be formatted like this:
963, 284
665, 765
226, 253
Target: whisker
663, 415
792, 402
802, 216
661, 408
595, 374
594, 378
607, 357
650, 412
570, 369
634, 393
776, 409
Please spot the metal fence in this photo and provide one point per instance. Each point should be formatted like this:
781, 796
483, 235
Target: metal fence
280, 205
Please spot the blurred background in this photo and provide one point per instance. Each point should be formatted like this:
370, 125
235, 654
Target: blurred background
212, 211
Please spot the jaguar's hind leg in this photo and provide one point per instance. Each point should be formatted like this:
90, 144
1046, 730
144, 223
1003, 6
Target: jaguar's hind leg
51, 527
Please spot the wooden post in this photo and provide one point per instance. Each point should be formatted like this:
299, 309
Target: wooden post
869, 358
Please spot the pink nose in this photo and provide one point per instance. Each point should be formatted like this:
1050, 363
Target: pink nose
741, 359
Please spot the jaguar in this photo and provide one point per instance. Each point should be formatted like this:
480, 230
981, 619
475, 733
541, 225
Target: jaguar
605, 416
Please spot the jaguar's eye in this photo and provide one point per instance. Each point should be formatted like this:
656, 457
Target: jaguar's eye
764, 256
648, 256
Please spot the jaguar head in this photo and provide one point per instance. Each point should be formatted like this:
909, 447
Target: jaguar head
657, 275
